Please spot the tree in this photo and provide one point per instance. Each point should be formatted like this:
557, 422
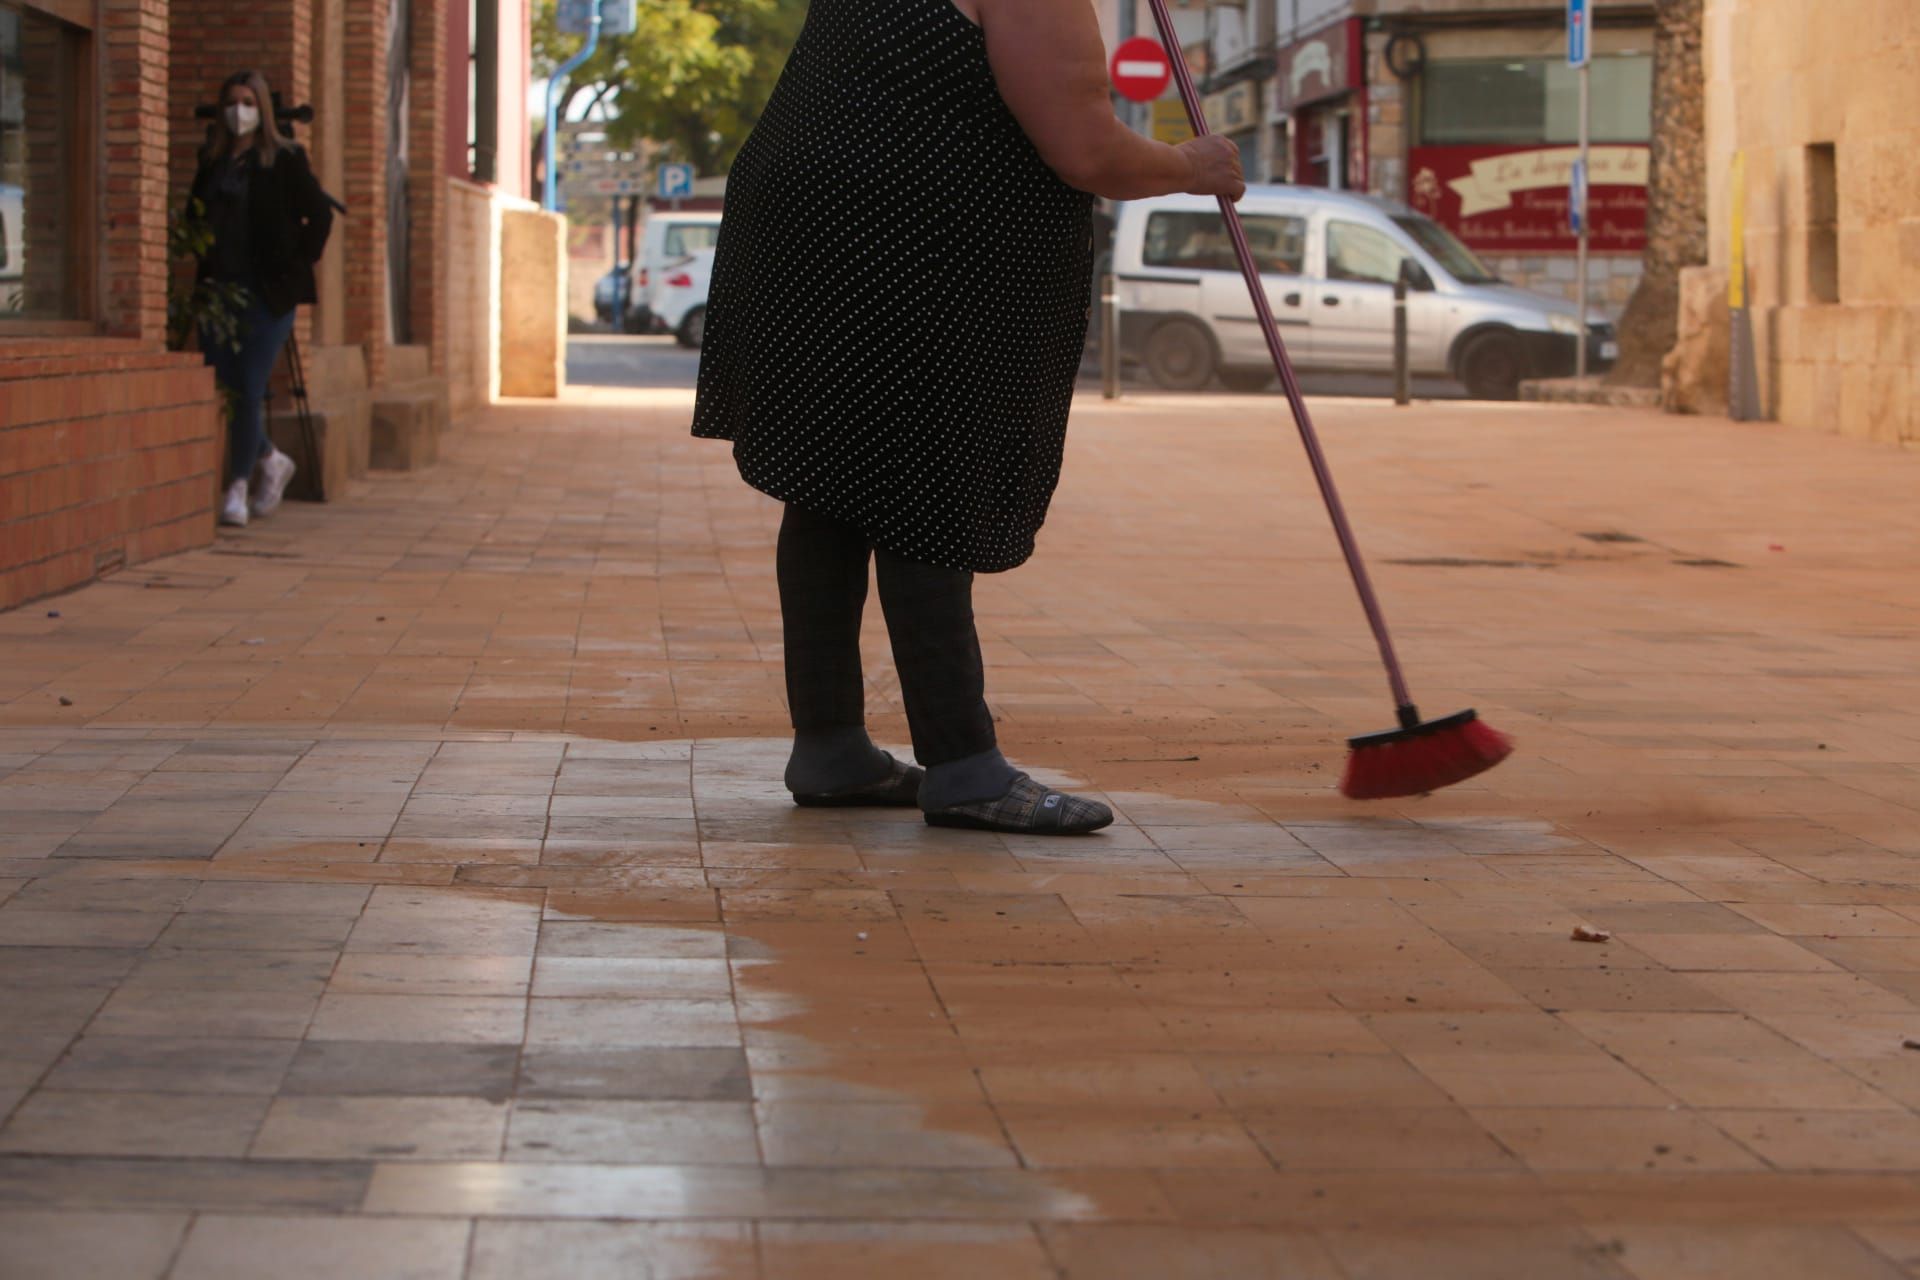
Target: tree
692, 77
1676, 194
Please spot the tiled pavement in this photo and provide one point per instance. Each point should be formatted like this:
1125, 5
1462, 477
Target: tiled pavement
404, 887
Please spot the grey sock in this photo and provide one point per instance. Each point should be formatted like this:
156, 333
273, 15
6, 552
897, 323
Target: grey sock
826, 760
986, 776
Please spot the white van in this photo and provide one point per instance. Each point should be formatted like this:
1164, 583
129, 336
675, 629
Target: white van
667, 240
1329, 260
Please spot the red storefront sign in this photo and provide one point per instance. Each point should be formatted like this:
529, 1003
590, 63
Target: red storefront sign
1514, 199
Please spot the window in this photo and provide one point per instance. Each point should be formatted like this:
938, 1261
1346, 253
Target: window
1459, 261
1823, 223
45, 158
1355, 252
687, 238
1198, 242
483, 89
1520, 100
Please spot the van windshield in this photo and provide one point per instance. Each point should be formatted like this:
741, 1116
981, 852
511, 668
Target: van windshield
1455, 258
684, 238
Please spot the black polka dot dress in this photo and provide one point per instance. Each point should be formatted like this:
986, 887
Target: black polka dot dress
899, 294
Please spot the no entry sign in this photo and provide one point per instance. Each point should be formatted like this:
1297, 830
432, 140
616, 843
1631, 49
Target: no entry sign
1140, 70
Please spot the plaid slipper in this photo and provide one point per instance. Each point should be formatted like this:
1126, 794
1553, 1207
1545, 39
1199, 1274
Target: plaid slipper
900, 789
1027, 809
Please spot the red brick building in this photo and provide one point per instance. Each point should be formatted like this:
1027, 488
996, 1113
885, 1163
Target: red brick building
110, 445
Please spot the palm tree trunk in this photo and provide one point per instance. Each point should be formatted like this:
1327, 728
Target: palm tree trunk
1676, 194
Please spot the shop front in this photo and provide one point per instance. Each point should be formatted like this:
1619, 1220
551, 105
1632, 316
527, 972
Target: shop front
1320, 97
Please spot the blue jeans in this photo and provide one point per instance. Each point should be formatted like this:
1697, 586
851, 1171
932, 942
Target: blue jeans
243, 374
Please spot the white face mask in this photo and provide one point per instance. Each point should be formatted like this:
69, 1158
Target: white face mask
243, 119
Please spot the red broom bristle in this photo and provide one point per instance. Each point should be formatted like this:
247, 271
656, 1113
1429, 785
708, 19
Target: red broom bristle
1423, 762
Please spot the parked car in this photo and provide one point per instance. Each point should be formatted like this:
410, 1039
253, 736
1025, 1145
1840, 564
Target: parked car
606, 294
666, 238
1329, 260
680, 298
13, 201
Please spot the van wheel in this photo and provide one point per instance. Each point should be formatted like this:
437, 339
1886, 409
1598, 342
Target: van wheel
1179, 356
693, 330
1491, 367
1246, 381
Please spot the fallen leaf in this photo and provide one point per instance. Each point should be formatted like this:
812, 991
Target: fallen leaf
1586, 933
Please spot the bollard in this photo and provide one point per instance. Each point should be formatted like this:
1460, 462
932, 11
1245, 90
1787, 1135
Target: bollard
1109, 338
1402, 377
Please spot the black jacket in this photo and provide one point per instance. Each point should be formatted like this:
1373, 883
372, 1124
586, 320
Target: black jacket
289, 219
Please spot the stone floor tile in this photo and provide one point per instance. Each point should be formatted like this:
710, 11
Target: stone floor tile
1793, 1139
1318, 1079
350, 1068
53, 1122
1105, 1251
279, 899
932, 1251
559, 1250
689, 1074
894, 1135
1056, 1136
290, 973
69, 893
631, 978
1150, 1080
653, 1023
316, 1127
439, 1019
174, 1064
92, 1182
223, 1247
1507, 1253
1737, 952
362, 973
1573, 1138
39, 968
38, 1245
234, 931
1757, 1251
21, 927
633, 1132
176, 1012
1366, 1138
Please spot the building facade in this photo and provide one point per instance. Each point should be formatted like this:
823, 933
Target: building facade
1464, 109
1811, 126
110, 443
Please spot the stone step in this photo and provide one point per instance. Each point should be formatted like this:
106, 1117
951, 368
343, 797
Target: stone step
408, 421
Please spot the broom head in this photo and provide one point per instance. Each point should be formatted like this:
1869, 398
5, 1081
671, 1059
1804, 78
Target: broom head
1422, 756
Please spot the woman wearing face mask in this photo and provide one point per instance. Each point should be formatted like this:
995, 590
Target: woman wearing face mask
269, 220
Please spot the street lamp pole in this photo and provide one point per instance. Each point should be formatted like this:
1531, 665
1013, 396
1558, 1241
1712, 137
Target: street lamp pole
561, 72
1585, 185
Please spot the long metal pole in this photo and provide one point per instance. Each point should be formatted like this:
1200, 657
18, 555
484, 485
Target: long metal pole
1309, 438
550, 195
1585, 211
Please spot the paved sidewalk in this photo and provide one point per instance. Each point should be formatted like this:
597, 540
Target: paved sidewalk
422, 858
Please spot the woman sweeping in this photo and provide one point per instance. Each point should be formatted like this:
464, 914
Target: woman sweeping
898, 305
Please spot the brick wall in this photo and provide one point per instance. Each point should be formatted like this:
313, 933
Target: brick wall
110, 454
134, 135
427, 178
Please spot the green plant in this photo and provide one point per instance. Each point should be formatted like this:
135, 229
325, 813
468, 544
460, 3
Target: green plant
213, 309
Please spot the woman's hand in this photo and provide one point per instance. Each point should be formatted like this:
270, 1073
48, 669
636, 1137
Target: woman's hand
1214, 165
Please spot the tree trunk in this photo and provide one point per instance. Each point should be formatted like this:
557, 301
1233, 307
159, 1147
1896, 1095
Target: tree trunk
1676, 194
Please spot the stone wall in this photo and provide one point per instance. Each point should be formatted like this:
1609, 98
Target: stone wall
1838, 343
533, 303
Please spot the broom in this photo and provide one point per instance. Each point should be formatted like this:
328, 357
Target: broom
1420, 755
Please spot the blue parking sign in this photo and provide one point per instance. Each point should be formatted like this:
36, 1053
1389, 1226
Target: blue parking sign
1577, 197
675, 182
1577, 23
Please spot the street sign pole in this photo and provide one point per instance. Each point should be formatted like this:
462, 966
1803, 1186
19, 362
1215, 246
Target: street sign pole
561, 72
1580, 55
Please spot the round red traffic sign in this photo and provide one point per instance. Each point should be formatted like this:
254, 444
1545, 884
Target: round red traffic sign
1139, 68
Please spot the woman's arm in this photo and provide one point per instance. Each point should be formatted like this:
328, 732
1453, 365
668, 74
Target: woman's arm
1052, 71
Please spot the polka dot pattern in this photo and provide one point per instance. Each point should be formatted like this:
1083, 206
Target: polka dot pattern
899, 292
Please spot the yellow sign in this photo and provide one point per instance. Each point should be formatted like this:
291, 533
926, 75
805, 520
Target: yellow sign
1170, 121
1737, 232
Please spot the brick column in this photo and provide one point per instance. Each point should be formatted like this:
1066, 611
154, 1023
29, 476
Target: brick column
427, 177
364, 131
134, 133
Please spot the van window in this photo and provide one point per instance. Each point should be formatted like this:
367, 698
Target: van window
1198, 242
1355, 252
684, 238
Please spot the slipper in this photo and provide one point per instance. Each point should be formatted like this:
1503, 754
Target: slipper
900, 789
1027, 809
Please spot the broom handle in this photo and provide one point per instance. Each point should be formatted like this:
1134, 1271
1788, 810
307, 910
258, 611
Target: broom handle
1288, 382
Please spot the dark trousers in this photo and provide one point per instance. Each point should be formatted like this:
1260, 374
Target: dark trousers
243, 374
929, 611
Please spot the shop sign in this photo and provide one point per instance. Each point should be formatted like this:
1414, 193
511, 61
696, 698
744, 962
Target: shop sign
1169, 121
1232, 110
1514, 199
1322, 65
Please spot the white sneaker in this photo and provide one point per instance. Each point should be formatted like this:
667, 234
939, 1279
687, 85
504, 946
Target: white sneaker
276, 470
233, 509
